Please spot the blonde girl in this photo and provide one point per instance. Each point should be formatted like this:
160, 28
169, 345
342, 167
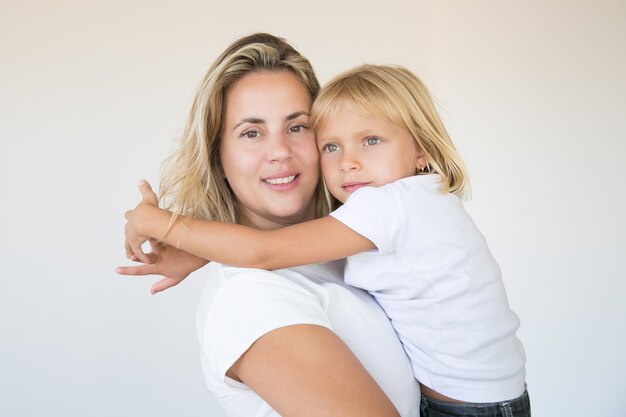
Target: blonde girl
387, 157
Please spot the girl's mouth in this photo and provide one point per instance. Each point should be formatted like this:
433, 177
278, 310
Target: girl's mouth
352, 186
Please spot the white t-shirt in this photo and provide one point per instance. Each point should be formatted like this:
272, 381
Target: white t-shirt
240, 305
435, 278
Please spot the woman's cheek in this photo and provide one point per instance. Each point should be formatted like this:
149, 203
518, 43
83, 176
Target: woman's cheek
312, 149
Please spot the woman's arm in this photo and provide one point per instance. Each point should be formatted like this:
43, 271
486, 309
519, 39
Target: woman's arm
307, 370
315, 241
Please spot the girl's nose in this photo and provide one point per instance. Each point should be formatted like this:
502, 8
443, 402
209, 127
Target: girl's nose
349, 163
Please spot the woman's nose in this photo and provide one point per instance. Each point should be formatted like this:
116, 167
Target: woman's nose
279, 148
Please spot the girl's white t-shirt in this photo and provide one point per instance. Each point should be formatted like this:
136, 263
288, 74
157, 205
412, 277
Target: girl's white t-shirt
239, 305
436, 279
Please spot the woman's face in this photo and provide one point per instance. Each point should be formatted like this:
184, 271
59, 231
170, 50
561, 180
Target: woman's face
267, 150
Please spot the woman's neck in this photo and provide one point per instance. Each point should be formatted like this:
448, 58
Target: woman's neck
251, 219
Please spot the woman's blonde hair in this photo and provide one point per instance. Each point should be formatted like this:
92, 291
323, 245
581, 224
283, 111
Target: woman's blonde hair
192, 181
398, 96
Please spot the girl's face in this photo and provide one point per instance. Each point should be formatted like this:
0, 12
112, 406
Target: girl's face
267, 150
359, 151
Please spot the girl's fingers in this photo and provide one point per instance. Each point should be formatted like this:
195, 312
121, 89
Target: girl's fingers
151, 256
142, 256
127, 214
157, 247
129, 251
136, 249
147, 195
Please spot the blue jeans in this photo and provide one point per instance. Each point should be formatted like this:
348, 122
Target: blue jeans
519, 407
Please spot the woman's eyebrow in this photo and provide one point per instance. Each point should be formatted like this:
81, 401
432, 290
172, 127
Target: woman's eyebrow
249, 120
296, 115
256, 120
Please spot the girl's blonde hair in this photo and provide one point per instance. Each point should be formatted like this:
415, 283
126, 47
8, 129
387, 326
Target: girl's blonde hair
192, 181
398, 96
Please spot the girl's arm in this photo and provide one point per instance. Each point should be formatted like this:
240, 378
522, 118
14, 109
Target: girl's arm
307, 370
315, 241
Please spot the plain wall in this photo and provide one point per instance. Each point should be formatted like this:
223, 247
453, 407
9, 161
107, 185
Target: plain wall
92, 96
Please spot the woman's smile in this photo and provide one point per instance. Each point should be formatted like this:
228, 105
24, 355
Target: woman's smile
281, 179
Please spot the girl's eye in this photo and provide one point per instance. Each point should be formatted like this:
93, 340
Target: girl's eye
251, 134
330, 147
373, 140
298, 128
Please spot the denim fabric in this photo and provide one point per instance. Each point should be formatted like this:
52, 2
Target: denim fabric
519, 407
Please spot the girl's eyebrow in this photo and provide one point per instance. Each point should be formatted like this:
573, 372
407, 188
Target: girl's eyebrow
365, 132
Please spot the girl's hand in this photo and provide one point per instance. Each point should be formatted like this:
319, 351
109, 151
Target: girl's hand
134, 239
172, 264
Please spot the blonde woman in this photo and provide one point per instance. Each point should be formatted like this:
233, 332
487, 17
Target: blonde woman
387, 157
294, 342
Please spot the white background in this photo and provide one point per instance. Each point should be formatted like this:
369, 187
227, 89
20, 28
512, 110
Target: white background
92, 96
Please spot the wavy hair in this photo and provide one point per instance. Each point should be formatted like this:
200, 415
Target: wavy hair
192, 180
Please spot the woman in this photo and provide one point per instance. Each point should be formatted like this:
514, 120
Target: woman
296, 341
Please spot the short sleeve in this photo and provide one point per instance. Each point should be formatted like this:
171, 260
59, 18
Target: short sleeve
375, 213
248, 305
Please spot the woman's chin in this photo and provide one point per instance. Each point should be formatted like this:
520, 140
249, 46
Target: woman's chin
277, 213
294, 213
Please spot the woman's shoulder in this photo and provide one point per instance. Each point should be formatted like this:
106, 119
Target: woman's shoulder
310, 276
239, 305
250, 296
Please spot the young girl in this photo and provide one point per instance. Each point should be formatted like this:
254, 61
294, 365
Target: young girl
387, 157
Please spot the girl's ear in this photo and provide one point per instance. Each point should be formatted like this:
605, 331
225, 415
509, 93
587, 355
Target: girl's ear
421, 163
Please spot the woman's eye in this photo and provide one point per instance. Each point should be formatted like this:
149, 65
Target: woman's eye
330, 147
297, 128
372, 141
251, 134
